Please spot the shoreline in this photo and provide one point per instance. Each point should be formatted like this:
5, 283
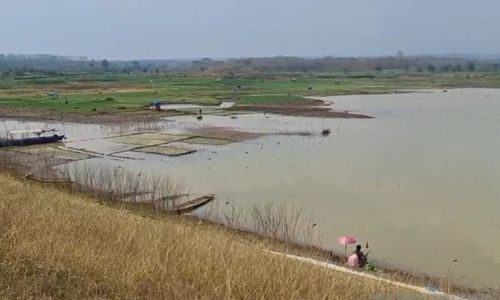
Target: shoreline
306, 253
196, 258
383, 272
316, 106
146, 115
310, 108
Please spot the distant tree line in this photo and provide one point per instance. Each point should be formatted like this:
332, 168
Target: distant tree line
348, 64
52, 64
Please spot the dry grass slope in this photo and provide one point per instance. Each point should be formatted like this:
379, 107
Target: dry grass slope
57, 245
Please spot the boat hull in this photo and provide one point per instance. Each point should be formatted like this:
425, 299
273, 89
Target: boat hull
31, 141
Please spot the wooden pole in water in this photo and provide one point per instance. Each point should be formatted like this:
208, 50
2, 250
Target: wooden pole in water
448, 274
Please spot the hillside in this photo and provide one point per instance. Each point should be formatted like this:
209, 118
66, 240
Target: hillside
57, 245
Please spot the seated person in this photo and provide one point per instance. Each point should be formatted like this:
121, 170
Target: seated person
357, 259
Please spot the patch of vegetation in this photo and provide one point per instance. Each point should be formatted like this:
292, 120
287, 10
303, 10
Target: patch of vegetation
108, 92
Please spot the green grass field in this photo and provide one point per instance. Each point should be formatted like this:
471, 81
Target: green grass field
87, 93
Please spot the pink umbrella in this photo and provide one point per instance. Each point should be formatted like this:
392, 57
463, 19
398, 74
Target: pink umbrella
346, 240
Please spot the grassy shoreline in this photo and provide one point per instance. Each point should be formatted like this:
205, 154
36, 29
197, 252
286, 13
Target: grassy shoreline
31, 207
115, 97
59, 245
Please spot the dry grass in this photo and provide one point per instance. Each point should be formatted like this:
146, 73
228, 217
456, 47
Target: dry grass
21, 163
58, 245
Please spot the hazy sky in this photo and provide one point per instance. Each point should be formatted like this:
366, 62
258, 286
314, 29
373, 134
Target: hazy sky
127, 29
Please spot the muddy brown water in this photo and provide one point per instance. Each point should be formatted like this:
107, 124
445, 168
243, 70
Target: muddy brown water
419, 182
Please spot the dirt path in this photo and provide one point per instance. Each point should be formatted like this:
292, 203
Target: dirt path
422, 290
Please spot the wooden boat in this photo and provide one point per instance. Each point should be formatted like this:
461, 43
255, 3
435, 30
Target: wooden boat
191, 205
31, 137
181, 208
